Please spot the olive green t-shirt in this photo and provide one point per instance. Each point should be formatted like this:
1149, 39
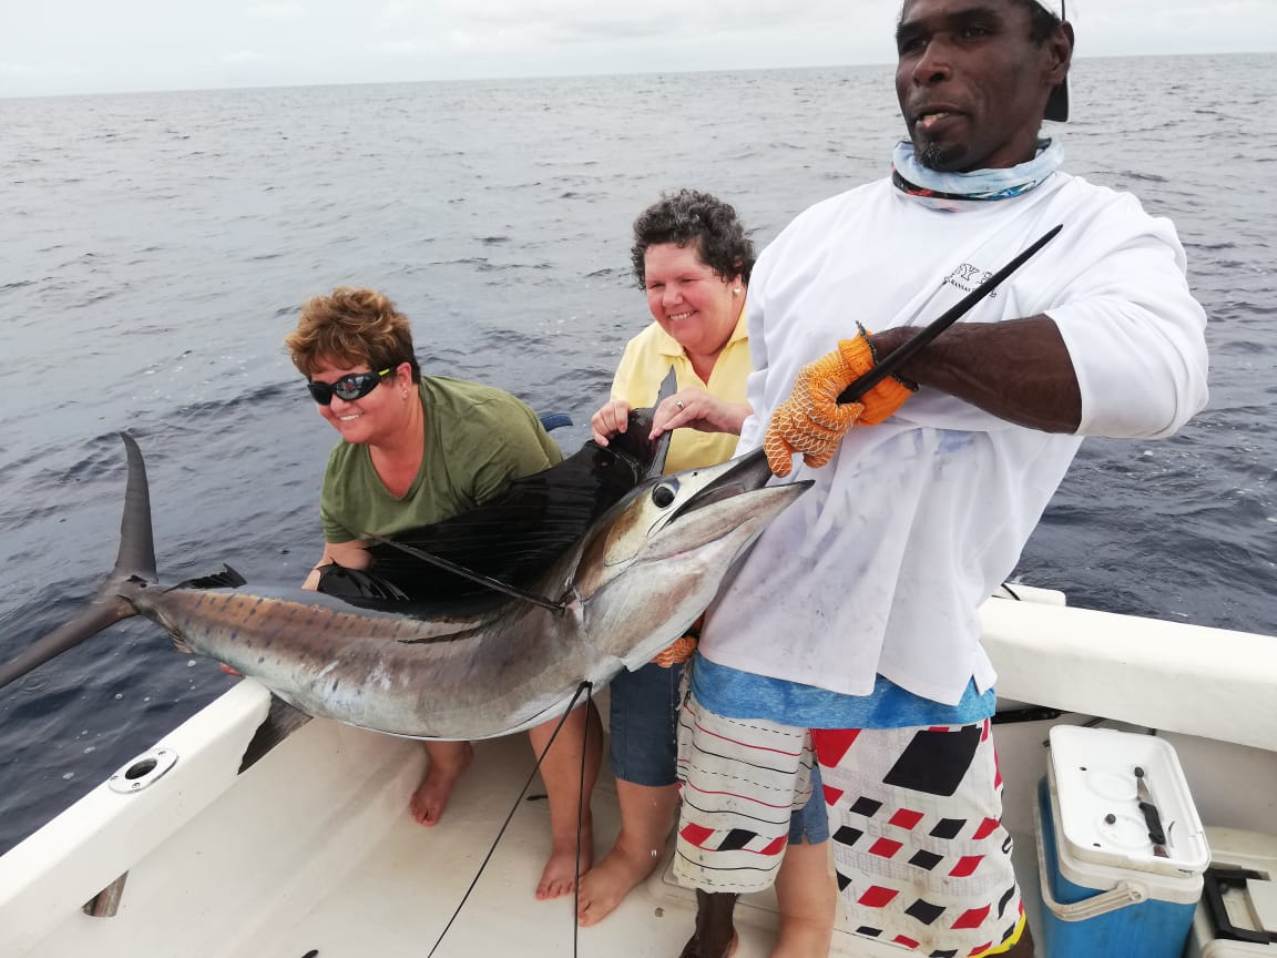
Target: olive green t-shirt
478, 439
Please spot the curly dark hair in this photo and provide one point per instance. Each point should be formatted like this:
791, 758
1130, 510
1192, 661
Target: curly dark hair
691, 217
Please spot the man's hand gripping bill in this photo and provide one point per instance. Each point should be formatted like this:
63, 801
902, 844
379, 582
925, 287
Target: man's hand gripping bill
812, 422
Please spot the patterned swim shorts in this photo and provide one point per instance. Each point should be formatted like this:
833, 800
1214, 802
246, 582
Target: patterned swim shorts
920, 854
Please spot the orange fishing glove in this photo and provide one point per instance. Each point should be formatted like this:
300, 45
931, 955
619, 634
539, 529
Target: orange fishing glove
676, 654
810, 421
682, 649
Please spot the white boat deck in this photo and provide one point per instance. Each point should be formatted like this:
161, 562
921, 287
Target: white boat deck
397, 898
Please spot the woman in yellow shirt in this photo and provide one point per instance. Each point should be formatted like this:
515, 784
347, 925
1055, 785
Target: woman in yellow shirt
692, 258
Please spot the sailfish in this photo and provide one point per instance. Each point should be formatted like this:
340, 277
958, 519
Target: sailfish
481, 625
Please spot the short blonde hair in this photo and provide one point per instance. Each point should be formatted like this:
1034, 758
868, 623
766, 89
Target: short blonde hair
351, 326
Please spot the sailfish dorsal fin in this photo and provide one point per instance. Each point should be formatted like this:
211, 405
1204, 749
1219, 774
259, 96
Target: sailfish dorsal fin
669, 386
505, 545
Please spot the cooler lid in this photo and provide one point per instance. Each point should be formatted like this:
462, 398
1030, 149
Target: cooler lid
1115, 789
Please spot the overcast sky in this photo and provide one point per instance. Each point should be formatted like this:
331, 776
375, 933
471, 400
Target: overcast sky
93, 46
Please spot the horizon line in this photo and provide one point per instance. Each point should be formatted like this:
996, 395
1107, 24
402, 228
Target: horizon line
558, 76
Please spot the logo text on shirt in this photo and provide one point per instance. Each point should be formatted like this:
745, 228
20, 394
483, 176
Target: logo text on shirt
967, 277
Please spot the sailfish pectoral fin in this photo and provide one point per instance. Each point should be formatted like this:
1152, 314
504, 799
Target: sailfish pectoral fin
227, 578
105, 611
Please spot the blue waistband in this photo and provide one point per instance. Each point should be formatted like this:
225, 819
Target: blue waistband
743, 695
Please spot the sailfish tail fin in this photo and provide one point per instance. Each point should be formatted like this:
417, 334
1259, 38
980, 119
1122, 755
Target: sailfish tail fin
136, 558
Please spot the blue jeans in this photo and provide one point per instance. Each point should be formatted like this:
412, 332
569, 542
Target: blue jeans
810, 824
644, 725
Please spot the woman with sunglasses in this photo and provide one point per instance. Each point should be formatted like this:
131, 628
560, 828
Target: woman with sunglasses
416, 450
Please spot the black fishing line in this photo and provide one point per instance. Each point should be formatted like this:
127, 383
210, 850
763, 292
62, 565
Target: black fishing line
449, 566
585, 687
580, 819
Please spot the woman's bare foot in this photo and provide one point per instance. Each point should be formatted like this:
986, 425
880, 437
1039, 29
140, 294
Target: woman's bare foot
647, 815
615, 877
569, 767
446, 763
558, 878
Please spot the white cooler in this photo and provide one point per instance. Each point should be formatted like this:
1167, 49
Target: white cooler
1238, 914
1110, 889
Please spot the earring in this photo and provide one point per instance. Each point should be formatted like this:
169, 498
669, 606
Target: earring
736, 291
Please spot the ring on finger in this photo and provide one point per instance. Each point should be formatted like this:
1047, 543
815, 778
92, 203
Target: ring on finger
679, 403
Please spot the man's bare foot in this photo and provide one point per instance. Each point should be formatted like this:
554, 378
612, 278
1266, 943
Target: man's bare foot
607, 885
558, 878
715, 936
442, 772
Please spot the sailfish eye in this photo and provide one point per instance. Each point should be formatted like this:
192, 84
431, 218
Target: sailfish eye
665, 494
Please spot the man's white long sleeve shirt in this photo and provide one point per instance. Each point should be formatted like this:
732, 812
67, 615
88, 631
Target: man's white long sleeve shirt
882, 566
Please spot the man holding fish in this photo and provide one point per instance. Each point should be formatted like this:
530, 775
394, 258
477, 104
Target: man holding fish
850, 635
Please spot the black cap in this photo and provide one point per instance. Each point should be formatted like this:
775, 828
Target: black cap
1057, 106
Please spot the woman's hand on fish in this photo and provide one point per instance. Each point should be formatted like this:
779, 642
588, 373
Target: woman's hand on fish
612, 417
697, 409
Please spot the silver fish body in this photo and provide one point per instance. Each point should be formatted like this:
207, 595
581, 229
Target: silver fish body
477, 667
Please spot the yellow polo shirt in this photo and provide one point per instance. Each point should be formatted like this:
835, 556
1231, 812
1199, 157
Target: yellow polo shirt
647, 360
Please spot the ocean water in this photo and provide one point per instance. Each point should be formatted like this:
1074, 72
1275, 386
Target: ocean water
155, 249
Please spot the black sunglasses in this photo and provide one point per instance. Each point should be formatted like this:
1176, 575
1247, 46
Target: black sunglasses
350, 387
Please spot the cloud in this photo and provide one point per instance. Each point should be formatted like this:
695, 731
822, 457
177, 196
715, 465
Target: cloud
398, 10
497, 26
84, 45
588, 20
466, 38
283, 10
401, 48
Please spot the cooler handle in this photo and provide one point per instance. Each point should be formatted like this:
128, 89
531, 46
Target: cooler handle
1214, 882
1121, 895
